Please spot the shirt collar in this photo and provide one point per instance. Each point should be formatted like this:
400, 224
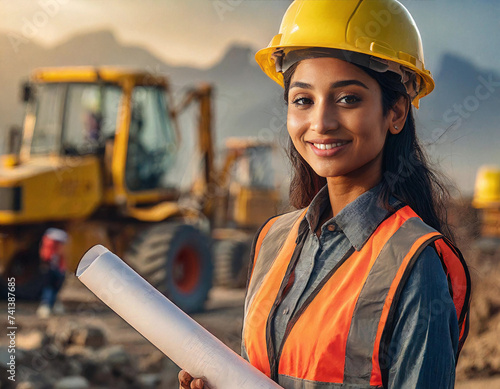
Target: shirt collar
357, 220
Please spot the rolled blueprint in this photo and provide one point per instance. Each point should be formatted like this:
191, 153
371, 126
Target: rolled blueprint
178, 336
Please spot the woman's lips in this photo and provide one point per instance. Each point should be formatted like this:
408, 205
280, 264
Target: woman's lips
328, 149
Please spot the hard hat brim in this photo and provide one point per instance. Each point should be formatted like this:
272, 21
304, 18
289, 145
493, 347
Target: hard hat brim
264, 58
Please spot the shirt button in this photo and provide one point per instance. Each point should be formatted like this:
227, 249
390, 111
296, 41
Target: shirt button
331, 227
285, 311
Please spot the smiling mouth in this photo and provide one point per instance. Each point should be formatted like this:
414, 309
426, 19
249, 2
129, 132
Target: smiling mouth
328, 146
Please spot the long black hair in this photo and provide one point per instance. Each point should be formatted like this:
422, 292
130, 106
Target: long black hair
406, 172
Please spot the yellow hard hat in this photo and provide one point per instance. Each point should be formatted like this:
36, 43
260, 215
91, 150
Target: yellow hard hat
380, 34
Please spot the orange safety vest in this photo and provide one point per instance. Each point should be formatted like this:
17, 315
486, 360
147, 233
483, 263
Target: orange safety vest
340, 336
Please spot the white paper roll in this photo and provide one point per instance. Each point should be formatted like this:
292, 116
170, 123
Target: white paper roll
154, 316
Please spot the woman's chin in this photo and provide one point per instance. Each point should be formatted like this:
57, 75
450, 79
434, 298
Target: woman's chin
328, 168
327, 173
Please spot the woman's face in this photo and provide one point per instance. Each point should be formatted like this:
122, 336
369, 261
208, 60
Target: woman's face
335, 119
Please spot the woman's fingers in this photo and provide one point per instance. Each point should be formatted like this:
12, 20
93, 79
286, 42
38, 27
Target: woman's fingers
197, 384
185, 380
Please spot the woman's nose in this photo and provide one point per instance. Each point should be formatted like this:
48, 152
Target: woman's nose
323, 118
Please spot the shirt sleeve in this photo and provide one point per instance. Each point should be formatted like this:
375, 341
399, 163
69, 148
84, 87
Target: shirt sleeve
424, 344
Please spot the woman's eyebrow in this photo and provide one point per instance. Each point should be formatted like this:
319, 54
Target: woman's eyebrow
337, 84
299, 84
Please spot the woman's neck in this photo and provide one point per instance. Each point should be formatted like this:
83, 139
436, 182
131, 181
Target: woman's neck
343, 191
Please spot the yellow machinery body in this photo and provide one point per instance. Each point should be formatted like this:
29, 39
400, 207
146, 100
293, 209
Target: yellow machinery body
96, 145
487, 200
52, 189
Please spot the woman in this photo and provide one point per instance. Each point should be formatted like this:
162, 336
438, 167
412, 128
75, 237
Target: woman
362, 286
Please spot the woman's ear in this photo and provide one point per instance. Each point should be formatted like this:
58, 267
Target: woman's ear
398, 114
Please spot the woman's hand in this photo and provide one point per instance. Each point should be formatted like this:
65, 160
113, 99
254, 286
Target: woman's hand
187, 382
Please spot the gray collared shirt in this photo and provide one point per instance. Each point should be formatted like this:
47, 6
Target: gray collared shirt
425, 339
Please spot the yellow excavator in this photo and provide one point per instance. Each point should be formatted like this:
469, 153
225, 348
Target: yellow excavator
100, 157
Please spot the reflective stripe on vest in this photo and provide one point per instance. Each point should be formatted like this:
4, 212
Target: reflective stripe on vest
341, 333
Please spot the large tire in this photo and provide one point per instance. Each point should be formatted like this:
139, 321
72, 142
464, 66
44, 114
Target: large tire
25, 268
231, 263
176, 259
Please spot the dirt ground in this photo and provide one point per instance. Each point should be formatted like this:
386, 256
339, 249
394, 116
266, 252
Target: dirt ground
222, 317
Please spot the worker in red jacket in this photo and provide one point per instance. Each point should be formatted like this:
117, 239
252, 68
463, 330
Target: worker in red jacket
53, 268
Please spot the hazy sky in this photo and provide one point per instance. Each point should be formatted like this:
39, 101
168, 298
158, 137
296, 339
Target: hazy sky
196, 32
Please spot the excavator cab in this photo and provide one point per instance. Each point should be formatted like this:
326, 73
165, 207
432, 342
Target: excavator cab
71, 119
122, 119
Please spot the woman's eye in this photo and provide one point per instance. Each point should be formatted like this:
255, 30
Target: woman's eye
302, 101
349, 99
